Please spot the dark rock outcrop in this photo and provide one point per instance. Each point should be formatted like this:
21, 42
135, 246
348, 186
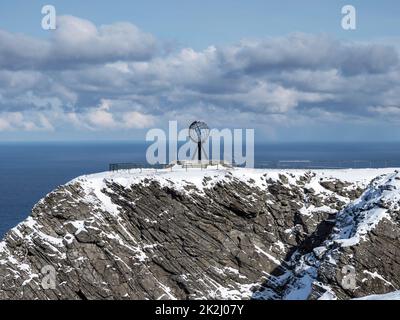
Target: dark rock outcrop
204, 234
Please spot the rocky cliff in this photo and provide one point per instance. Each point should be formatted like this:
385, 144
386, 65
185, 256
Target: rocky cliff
217, 234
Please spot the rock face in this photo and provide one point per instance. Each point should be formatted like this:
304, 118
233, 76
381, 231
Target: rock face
217, 234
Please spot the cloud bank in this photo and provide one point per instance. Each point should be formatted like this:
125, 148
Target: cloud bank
118, 77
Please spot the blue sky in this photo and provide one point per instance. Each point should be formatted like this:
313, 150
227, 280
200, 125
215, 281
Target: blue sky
201, 23
114, 69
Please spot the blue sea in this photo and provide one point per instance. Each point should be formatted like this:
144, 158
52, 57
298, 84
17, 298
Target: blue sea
29, 171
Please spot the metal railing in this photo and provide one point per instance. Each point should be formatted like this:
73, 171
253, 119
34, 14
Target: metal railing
140, 166
327, 164
273, 164
189, 164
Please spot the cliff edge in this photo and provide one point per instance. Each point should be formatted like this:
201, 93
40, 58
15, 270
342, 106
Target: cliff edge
209, 234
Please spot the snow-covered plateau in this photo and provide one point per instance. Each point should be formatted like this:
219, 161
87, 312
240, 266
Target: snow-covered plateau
215, 233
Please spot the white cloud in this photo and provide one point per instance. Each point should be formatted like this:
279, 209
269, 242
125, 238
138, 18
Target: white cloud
101, 118
107, 116
76, 42
80, 41
113, 77
4, 125
17, 121
137, 120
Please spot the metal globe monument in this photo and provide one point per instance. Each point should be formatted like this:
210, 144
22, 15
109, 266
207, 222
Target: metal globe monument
199, 133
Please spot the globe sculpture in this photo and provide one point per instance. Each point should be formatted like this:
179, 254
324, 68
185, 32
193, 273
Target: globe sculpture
198, 133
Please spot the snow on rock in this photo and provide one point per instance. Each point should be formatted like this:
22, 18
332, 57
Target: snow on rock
194, 234
366, 232
365, 213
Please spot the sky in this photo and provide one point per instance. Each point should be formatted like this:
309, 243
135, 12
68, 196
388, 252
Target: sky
112, 70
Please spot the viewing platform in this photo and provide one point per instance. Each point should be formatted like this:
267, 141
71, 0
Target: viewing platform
202, 164
182, 164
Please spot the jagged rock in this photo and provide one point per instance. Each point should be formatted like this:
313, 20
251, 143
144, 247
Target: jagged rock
203, 234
